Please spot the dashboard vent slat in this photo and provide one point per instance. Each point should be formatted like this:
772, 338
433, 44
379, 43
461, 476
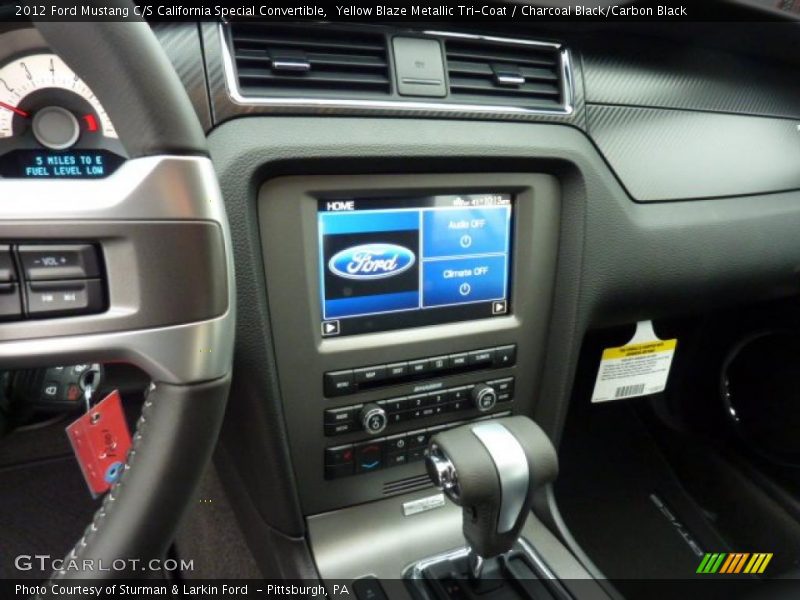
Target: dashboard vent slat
281, 60
488, 71
408, 484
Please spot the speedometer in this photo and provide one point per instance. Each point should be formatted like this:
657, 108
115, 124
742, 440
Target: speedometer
51, 123
21, 79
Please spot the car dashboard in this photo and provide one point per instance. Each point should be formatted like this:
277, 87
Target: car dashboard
426, 221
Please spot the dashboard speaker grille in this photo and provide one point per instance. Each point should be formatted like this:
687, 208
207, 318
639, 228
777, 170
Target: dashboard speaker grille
409, 484
484, 71
275, 60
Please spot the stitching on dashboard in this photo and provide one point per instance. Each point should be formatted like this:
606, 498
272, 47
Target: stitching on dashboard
113, 494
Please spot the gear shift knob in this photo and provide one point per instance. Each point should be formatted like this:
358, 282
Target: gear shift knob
491, 469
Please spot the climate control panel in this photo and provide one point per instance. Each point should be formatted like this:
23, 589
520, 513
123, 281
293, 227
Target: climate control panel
384, 452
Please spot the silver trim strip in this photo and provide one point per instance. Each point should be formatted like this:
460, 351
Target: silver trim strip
150, 188
180, 354
236, 96
512, 470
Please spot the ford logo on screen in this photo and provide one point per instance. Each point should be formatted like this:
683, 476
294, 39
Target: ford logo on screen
371, 261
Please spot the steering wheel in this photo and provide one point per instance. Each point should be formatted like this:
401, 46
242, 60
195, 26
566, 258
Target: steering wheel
160, 224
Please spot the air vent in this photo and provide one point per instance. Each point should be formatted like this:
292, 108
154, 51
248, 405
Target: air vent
275, 60
522, 75
409, 484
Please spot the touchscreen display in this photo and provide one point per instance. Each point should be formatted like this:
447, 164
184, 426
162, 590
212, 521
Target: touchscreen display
391, 263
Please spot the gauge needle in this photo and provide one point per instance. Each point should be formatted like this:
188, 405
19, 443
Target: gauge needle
14, 109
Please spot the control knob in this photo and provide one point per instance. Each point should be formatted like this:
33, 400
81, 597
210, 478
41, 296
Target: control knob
484, 397
373, 419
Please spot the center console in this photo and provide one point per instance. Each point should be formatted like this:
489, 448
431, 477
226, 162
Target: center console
402, 305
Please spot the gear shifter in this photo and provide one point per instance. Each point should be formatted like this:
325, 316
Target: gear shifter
492, 469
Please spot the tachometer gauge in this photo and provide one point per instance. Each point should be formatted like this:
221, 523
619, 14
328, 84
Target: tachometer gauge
51, 123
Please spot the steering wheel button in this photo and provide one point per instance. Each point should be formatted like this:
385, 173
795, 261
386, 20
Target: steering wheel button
10, 306
6, 265
54, 298
59, 262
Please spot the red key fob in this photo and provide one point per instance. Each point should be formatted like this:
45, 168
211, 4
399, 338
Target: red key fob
101, 440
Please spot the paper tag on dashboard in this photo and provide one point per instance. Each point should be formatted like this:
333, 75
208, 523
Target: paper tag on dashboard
101, 440
638, 368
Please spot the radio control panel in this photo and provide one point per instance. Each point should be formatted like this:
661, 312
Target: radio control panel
375, 417
350, 381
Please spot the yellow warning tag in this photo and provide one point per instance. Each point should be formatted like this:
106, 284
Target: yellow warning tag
639, 368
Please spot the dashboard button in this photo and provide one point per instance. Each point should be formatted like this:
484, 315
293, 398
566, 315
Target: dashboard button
504, 396
339, 455
459, 361
438, 398
417, 454
482, 358
339, 383
502, 385
6, 265
51, 298
395, 444
505, 356
459, 393
419, 367
440, 363
394, 405
73, 261
397, 459
341, 428
369, 456
399, 417
342, 415
10, 304
337, 471
457, 406
371, 374
418, 401
418, 439
397, 370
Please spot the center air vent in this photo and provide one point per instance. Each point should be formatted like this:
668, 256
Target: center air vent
282, 60
522, 75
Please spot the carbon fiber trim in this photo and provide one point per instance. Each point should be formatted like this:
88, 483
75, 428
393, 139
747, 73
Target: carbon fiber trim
181, 44
687, 77
223, 107
673, 154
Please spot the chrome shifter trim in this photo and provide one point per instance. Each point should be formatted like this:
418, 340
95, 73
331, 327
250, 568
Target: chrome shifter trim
512, 470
